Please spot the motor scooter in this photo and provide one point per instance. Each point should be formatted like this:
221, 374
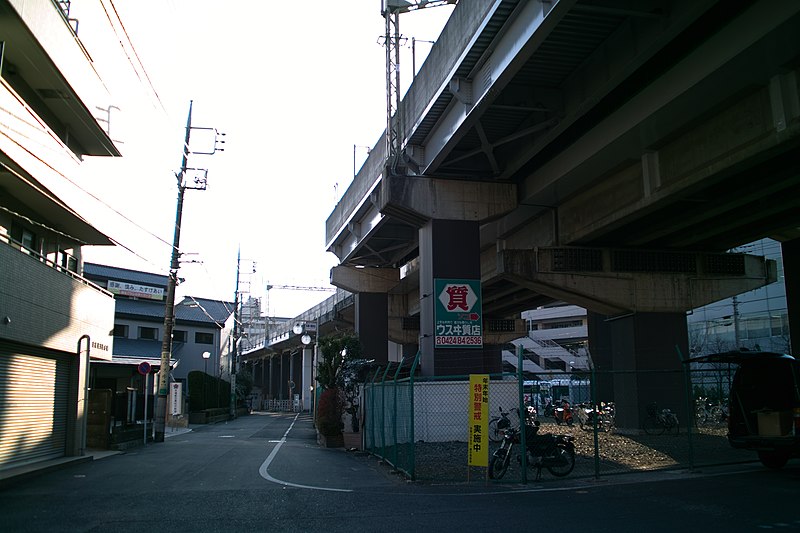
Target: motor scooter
563, 413
556, 453
589, 417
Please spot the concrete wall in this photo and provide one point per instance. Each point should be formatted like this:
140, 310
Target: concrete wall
51, 308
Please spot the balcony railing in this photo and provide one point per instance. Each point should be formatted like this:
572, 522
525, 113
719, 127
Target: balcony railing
69, 268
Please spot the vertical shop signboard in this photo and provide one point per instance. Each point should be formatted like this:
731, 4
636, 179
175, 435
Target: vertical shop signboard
478, 410
458, 315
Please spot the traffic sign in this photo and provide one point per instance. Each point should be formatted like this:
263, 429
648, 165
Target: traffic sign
144, 368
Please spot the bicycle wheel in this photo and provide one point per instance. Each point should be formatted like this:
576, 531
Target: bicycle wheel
717, 416
652, 426
671, 425
495, 434
563, 462
498, 466
701, 416
606, 423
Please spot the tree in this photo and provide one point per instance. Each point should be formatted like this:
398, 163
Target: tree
244, 385
335, 373
334, 350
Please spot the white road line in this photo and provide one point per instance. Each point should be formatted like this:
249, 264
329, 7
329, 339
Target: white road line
263, 470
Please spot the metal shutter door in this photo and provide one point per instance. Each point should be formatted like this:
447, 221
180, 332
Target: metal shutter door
34, 397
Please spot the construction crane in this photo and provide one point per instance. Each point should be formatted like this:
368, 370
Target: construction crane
296, 288
301, 288
391, 10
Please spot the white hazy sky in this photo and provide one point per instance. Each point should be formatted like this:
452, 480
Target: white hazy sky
294, 85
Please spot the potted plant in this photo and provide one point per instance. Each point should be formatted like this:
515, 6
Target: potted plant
329, 418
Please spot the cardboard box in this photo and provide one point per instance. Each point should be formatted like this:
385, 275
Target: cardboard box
774, 423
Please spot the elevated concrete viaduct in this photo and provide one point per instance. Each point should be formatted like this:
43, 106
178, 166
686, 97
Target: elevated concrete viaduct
605, 153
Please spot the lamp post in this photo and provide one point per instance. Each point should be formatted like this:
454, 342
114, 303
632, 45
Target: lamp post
206, 357
300, 329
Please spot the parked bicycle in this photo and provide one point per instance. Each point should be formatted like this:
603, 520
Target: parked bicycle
708, 413
498, 425
660, 421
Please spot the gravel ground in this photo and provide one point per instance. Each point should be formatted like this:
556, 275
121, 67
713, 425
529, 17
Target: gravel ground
618, 453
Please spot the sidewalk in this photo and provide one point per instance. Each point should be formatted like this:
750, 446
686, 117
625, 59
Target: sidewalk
9, 476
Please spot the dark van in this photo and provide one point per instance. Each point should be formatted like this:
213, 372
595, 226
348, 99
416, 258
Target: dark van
764, 404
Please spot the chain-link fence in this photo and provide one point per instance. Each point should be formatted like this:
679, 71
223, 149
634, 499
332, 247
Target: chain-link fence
619, 422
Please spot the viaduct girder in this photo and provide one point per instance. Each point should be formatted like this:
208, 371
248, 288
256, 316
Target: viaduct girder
649, 125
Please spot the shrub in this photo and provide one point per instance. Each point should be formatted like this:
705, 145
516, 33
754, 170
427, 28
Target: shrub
207, 391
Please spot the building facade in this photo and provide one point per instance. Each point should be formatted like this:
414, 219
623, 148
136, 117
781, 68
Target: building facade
55, 103
756, 320
201, 326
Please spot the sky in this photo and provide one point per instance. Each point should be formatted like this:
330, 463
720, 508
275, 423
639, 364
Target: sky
298, 88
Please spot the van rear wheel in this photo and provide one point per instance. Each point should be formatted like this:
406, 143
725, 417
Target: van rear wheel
773, 459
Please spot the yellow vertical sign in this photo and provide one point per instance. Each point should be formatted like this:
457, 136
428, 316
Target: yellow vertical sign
478, 454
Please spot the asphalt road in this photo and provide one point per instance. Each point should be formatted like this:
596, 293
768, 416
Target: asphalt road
265, 472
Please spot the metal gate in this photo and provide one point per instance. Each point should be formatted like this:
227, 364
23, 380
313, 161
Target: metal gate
34, 400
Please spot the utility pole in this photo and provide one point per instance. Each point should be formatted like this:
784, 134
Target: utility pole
736, 333
199, 183
236, 337
391, 10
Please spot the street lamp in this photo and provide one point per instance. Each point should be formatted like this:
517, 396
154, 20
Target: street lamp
206, 357
300, 329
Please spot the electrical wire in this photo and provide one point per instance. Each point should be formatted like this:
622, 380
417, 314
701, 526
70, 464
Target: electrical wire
133, 49
75, 184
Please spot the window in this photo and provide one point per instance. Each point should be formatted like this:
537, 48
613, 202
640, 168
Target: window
560, 325
148, 333
203, 338
121, 330
67, 261
28, 240
25, 237
755, 328
179, 335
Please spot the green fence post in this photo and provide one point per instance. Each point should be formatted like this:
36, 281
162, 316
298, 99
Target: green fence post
689, 411
522, 415
383, 412
413, 472
394, 426
595, 405
372, 410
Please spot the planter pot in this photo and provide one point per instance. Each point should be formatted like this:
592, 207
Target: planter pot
330, 441
352, 440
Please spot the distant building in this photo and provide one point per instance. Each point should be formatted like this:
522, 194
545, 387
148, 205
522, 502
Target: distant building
201, 325
556, 342
757, 320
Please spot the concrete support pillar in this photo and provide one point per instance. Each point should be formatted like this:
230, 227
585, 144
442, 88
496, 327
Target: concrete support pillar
449, 249
285, 358
273, 389
601, 354
637, 352
790, 250
410, 350
372, 325
307, 386
291, 382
